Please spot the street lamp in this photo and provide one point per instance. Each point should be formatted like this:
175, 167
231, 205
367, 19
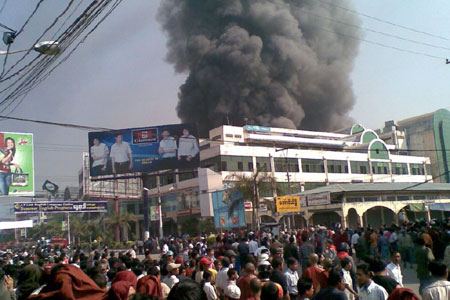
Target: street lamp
45, 47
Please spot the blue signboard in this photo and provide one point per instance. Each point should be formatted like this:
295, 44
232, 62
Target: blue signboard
221, 203
144, 149
257, 128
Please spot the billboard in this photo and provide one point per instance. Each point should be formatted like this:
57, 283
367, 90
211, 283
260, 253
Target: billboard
221, 203
154, 213
60, 207
145, 149
288, 204
16, 164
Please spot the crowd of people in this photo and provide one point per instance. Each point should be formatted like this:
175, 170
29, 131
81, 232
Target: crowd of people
311, 263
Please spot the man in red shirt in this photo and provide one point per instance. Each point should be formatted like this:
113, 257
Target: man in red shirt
244, 282
313, 272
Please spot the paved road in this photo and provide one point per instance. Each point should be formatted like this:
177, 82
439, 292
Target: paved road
410, 279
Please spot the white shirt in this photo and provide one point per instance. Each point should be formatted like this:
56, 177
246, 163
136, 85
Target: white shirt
393, 237
165, 248
121, 152
348, 281
222, 278
209, 291
394, 271
168, 143
373, 292
99, 151
292, 280
188, 146
171, 280
252, 246
355, 238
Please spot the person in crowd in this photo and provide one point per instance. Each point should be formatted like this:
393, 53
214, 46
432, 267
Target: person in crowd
222, 275
150, 284
174, 271
423, 256
209, 289
187, 290
291, 249
292, 277
253, 245
28, 281
278, 276
121, 290
231, 290
406, 247
306, 249
377, 266
394, 270
6, 286
264, 271
313, 272
368, 289
346, 265
334, 290
255, 287
270, 291
244, 281
305, 289
439, 286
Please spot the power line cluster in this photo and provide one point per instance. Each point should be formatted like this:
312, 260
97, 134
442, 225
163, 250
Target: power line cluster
27, 72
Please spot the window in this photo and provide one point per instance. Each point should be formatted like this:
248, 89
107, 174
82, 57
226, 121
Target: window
402, 198
370, 199
166, 179
359, 167
228, 135
313, 166
313, 185
186, 176
265, 189
237, 163
419, 197
212, 163
150, 182
417, 169
399, 168
354, 199
216, 138
284, 188
286, 164
337, 166
380, 167
238, 136
428, 166
263, 164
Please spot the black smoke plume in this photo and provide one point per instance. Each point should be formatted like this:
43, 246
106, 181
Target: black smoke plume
282, 63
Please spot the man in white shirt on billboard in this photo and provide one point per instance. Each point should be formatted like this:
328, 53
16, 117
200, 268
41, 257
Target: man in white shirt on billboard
167, 146
187, 146
99, 155
121, 155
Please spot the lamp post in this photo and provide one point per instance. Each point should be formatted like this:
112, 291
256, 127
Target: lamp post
45, 47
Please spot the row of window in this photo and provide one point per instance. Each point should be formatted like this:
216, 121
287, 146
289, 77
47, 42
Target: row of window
245, 164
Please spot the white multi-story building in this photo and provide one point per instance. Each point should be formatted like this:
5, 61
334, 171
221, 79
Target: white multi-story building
299, 160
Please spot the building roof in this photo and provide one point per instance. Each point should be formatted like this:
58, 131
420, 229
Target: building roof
380, 187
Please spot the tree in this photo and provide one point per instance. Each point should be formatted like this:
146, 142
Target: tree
251, 187
121, 221
67, 196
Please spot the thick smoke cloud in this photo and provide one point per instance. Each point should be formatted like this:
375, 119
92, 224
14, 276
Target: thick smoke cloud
280, 63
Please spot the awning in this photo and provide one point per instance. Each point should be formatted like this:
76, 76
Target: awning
440, 206
416, 207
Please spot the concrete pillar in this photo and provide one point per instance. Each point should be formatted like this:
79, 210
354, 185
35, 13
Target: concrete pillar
360, 221
137, 227
382, 215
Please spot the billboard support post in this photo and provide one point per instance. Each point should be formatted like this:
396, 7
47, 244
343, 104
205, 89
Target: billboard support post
68, 228
146, 212
158, 185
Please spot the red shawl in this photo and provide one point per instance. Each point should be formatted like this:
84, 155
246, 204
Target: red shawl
119, 290
126, 276
149, 285
71, 283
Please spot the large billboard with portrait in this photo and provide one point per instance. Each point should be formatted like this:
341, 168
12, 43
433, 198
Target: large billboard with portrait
16, 164
146, 149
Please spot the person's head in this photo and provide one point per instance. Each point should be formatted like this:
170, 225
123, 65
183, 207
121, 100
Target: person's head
153, 271
346, 264
292, 264
173, 269
185, 132
305, 288
327, 264
187, 290
334, 279
264, 270
96, 141
343, 247
207, 276
362, 274
249, 268
438, 270
313, 259
10, 144
277, 263
165, 134
291, 239
269, 291
210, 252
377, 265
420, 241
218, 264
225, 262
232, 274
118, 137
255, 286
396, 257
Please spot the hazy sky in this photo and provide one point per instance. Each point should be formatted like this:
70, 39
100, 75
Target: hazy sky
119, 79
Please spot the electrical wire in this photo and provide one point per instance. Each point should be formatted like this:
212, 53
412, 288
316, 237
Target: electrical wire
3, 6
383, 21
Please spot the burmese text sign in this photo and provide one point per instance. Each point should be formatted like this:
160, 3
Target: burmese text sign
318, 199
288, 204
60, 207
